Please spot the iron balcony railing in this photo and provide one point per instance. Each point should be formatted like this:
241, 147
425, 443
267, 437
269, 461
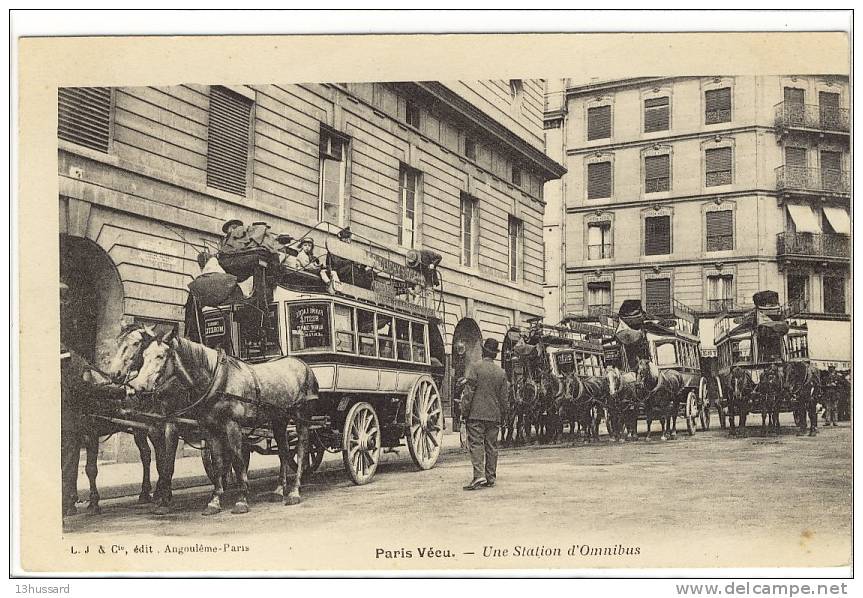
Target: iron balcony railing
813, 244
802, 178
720, 305
603, 309
790, 115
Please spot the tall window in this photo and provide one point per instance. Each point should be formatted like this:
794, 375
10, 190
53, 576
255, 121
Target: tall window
718, 166
469, 228
657, 173
409, 184
516, 248
228, 140
412, 113
828, 108
798, 291
599, 180
331, 206
657, 235
84, 116
795, 158
831, 170
794, 110
599, 240
717, 106
720, 230
834, 295
599, 122
598, 298
657, 299
720, 289
656, 114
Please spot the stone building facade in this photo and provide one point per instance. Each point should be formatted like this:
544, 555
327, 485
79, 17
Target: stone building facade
702, 190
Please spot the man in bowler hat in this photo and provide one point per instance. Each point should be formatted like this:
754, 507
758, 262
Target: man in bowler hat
483, 407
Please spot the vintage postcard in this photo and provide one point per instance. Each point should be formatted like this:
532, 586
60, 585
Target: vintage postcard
462, 303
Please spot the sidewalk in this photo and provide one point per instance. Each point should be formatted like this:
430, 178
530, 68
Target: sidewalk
118, 480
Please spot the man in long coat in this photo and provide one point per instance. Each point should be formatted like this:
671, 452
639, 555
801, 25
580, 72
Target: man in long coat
483, 407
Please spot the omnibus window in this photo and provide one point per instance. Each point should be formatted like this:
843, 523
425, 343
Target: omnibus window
386, 347
403, 340
741, 350
418, 341
366, 329
310, 326
666, 354
343, 317
256, 329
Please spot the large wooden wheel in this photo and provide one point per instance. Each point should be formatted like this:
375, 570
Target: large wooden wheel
691, 412
361, 443
424, 414
703, 405
314, 455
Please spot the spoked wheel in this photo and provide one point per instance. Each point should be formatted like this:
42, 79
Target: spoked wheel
691, 412
314, 455
424, 414
704, 405
361, 443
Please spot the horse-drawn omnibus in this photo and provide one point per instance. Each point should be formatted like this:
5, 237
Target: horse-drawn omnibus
753, 341
372, 338
669, 341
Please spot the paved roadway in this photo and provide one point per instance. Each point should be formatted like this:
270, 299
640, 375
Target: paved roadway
694, 501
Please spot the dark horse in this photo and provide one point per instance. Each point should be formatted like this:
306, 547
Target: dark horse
583, 401
84, 391
661, 390
738, 386
802, 382
622, 404
227, 395
769, 392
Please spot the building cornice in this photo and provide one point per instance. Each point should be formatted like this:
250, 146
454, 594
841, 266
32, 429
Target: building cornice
532, 156
648, 202
614, 84
649, 265
649, 141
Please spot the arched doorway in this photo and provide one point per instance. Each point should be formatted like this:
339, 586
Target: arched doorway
94, 309
466, 349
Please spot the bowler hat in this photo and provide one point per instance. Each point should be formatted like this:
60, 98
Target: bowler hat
231, 224
284, 239
489, 346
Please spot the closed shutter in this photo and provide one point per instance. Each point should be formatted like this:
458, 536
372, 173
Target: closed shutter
793, 95
717, 106
828, 100
657, 235
831, 171
84, 116
655, 114
831, 160
795, 157
656, 173
599, 122
718, 166
598, 180
657, 296
228, 140
720, 231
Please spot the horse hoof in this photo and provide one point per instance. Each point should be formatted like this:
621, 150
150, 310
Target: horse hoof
211, 510
292, 500
240, 508
94, 510
161, 510
144, 498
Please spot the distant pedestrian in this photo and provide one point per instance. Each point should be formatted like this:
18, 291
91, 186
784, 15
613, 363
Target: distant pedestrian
830, 383
483, 407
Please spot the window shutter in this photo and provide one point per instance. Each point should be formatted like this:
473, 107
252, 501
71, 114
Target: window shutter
718, 166
657, 233
827, 99
655, 114
599, 122
228, 140
795, 157
84, 116
656, 167
793, 95
720, 230
831, 160
598, 180
717, 105
657, 293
